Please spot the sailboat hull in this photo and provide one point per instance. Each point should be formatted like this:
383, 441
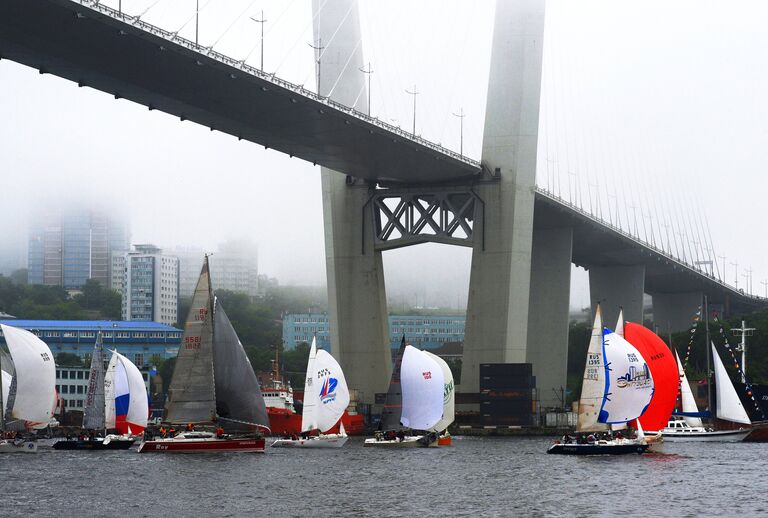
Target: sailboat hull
597, 449
12, 447
94, 444
203, 445
410, 441
323, 441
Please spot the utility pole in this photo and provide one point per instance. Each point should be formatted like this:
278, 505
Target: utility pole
461, 116
414, 94
368, 72
262, 21
319, 48
743, 331
197, 19
722, 274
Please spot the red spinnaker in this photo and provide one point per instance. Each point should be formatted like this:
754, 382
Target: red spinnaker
663, 367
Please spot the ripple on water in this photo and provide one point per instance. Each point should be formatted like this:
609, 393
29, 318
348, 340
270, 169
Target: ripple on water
475, 477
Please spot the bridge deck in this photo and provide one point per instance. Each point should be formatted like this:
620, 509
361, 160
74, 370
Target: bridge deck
103, 49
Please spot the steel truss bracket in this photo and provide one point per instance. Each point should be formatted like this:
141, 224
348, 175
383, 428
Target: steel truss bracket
404, 217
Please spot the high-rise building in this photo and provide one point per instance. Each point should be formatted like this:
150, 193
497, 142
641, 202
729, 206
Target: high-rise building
234, 267
150, 284
66, 248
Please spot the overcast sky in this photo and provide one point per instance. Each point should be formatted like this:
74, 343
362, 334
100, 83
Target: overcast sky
651, 104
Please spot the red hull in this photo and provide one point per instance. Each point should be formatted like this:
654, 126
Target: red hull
285, 422
192, 446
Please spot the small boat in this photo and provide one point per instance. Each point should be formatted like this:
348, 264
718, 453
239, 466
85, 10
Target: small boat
414, 401
214, 395
326, 397
27, 388
116, 400
617, 388
728, 408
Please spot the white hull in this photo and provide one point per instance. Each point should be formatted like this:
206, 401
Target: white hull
23, 447
322, 441
410, 441
705, 436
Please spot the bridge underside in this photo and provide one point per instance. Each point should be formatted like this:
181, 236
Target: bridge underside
170, 74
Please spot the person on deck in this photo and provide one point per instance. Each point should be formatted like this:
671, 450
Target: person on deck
219, 431
190, 427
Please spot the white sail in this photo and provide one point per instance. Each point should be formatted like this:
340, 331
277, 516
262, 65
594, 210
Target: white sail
35, 375
109, 394
689, 403
6, 380
449, 395
422, 383
331, 391
593, 383
309, 407
138, 404
620, 324
729, 405
629, 384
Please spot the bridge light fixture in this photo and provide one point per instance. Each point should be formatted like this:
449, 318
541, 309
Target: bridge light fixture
294, 101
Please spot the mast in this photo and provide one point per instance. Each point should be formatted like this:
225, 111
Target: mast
709, 360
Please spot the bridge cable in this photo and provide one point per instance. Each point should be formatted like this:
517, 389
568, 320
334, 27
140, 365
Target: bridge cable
233, 24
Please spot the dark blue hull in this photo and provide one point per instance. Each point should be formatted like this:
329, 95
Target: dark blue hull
597, 449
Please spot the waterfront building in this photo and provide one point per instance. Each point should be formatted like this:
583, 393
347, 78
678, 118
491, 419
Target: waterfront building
137, 341
66, 248
150, 285
234, 267
426, 332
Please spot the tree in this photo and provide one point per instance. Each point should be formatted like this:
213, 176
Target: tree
68, 360
20, 276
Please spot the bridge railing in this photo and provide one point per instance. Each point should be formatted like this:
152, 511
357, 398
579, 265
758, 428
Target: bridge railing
137, 22
680, 262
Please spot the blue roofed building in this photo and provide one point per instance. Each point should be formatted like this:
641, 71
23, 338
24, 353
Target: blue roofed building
423, 331
137, 341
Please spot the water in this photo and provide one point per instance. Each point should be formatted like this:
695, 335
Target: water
474, 477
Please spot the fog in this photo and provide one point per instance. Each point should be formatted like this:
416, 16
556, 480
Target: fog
652, 104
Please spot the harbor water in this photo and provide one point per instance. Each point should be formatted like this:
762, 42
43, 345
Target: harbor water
474, 477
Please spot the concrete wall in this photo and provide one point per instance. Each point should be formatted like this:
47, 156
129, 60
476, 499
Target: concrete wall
357, 298
674, 312
497, 311
548, 312
615, 287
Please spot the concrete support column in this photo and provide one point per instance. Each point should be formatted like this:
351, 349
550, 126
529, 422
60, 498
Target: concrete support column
357, 303
548, 311
673, 312
615, 287
497, 308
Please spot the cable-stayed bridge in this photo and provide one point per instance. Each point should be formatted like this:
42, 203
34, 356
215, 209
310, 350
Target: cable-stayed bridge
386, 188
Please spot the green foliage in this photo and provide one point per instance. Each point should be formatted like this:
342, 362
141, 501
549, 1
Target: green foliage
36, 302
455, 365
68, 360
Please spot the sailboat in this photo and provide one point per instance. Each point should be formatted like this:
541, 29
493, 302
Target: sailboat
449, 402
326, 396
214, 394
616, 389
28, 387
688, 426
414, 401
118, 392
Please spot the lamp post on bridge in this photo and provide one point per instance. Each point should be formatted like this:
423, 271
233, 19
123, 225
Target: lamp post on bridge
764, 282
736, 264
319, 48
722, 274
368, 73
461, 116
414, 94
262, 21
197, 20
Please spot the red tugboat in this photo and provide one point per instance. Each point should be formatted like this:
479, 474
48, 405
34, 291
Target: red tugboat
283, 418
